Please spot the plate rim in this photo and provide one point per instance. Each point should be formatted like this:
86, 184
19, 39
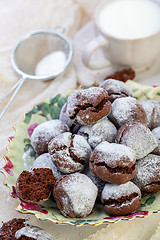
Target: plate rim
104, 221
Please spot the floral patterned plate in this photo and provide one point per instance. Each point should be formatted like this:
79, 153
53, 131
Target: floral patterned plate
21, 155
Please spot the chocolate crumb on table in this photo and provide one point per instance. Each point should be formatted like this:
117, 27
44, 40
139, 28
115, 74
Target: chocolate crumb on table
20, 229
124, 75
8, 229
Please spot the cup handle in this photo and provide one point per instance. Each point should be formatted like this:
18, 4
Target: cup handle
90, 49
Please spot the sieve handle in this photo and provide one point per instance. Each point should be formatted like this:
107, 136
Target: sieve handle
10, 91
17, 86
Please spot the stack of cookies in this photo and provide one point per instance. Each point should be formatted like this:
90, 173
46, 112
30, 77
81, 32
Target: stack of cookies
104, 147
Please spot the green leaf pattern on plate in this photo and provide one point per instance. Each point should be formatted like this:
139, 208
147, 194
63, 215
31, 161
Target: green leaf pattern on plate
149, 200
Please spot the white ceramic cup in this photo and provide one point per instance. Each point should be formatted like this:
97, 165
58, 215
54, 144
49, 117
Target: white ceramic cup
138, 53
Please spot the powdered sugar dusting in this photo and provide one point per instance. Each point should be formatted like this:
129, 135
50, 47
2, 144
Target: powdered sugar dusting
156, 133
28, 159
115, 191
33, 232
68, 151
123, 110
115, 86
148, 168
115, 154
64, 117
62, 140
139, 138
152, 109
89, 95
48, 130
65, 163
81, 147
103, 130
82, 193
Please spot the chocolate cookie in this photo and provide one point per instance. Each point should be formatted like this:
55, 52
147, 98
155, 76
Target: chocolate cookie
102, 130
156, 133
19, 229
152, 109
126, 110
88, 106
45, 161
113, 162
32, 233
116, 89
138, 137
121, 199
96, 180
75, 195
148, 174
70, 153
35, 187
44, 132
64, 117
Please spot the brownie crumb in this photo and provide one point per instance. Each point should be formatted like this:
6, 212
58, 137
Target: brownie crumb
35, 187
8, 229
19, 229
124, 75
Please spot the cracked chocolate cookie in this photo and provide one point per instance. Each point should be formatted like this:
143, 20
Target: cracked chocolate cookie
113, 162
88, 106
126, 110
116, 89
152, 109
121, 199
35, 187
75, 195
148, 174
70, 153
102, 130
138, 137
44, 132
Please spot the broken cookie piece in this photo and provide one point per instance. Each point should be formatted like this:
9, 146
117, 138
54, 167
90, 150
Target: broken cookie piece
35, 187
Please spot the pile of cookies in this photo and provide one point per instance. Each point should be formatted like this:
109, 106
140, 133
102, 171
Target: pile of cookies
105, 147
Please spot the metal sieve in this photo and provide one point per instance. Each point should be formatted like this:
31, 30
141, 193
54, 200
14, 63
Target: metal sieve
32, 48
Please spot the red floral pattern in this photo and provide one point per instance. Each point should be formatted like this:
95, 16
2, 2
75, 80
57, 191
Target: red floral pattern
8, 166
138, 213
31, 128
29, 206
